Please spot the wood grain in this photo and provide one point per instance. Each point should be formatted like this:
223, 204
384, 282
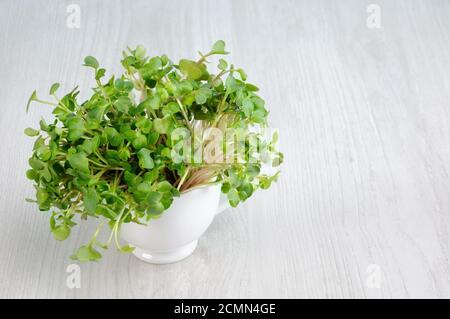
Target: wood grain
364, 123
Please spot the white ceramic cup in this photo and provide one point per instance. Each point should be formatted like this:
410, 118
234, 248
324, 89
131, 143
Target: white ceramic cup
174, 236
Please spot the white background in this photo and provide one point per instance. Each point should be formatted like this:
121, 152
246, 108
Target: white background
364, 119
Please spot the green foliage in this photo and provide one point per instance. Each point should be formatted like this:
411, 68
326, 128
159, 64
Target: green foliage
31, 132
110, 157
90, 61
54, 88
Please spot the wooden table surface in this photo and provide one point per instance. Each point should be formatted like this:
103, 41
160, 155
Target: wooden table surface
362, 208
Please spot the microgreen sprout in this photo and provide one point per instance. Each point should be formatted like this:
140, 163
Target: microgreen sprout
111, 157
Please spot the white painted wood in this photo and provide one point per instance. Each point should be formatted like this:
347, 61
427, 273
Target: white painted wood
365, 127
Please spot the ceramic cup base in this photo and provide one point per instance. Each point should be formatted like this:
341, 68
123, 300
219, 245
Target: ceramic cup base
165, 257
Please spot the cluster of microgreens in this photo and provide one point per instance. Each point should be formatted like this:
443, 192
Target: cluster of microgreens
109, 157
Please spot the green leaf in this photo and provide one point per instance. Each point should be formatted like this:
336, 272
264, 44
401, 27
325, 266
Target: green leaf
184, 87
145, 160
41, 196
222, 65
162, 126
129, 61
245, 190
152, 199
32, 174
32, 98
242, 74
90, 61
144, 188
126, 249
265, 181
106, 212
144, 124
171, 108
61, 232
31, 132
225, 188
188, 99
46, 174
153, 137
114, 138
100, 73
154, 102
258, 102
139, 52
251, 88
277, 160
145, 195
150, 68
36, 163
88, 146
79, 162
151, 176
43, 126
200, 98
191, 69
96, 113
76, 128
219, 47
87, 253
253, 170
202, 95
90, 200
233, 197
131, 179
259, 116
124, 154
157, 207
69, 101
247, 107
123, 104
44, 153
164, 187
54, 88
231, 84
275, 137
139, 141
